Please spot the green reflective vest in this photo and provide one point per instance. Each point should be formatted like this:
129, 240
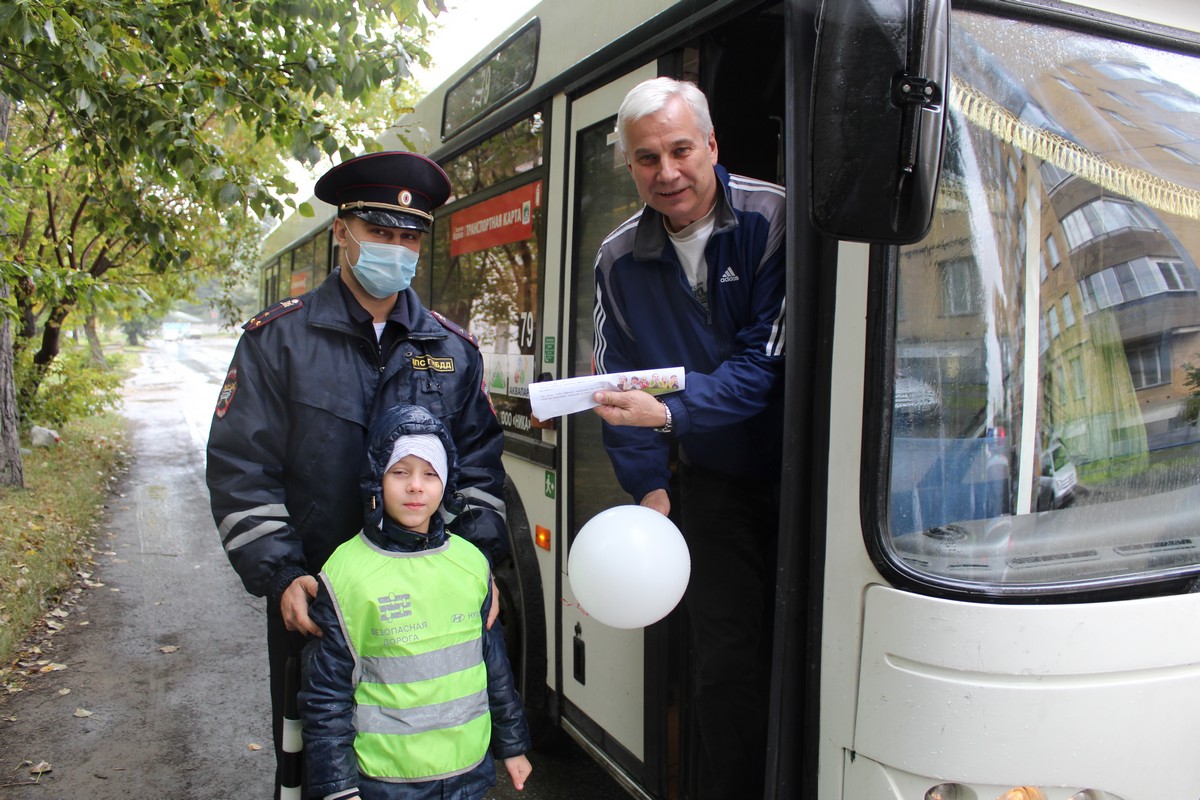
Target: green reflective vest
420, 684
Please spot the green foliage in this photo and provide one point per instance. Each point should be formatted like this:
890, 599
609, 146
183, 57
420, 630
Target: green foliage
46, 529
164, 85
1192, 381
70, 388
147, 141
137, 328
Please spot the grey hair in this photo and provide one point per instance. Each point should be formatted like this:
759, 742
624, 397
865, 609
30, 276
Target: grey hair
650, 97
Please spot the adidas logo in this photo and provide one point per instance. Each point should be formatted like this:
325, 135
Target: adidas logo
730, 276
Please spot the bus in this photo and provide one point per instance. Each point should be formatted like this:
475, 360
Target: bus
989, 560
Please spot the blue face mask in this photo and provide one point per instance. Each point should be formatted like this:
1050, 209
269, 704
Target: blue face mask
383, 269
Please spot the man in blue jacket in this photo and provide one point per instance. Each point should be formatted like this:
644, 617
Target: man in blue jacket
289, 435
696, 279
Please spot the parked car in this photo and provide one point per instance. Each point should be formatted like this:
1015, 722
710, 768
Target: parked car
1056, 484
914, 396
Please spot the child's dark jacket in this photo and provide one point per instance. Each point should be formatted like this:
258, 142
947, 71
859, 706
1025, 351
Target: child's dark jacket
327, 698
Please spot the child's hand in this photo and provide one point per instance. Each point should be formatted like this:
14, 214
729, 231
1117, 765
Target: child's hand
518, 769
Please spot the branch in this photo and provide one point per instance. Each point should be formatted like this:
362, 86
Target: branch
52, 227
83, 201
90, 245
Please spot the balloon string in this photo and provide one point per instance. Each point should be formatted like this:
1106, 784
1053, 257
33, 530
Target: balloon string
568, 604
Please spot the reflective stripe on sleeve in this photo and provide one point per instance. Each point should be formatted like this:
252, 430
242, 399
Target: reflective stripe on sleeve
254, 534
278, 510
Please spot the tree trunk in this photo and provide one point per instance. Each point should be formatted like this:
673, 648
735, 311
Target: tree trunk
43, 358
12, 469
95, 348
28, 321
52, 333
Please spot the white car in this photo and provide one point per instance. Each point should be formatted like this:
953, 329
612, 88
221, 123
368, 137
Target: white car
1057, 482
914, 396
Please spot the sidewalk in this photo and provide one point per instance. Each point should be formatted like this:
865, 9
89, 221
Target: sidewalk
164, 690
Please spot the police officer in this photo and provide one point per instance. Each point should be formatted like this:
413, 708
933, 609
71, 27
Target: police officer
289, 434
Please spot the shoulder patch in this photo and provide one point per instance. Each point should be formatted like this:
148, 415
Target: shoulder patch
274, 312
455, 328
228, 390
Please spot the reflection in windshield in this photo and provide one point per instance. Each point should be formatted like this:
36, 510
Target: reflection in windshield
1050, 324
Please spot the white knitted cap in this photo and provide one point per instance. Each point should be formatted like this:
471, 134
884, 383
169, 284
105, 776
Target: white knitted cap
422, 445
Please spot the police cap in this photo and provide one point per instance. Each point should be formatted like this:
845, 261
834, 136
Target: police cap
394, 189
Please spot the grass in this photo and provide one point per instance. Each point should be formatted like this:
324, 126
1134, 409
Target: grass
47, 528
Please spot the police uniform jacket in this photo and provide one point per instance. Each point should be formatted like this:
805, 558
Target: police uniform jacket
288, 439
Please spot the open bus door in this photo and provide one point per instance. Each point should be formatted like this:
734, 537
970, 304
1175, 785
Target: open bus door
622, 690
605, 695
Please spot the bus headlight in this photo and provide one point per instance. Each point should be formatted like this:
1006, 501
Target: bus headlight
957, 791
1023, 793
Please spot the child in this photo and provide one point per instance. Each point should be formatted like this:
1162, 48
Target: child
406, 689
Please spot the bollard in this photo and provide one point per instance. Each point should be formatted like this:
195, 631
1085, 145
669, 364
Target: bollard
293, 744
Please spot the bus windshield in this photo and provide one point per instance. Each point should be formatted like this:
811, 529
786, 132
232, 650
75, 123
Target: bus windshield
1046, 387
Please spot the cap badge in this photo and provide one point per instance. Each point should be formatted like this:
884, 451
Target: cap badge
405, 197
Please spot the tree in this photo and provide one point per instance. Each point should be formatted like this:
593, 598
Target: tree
145, 135
12, 472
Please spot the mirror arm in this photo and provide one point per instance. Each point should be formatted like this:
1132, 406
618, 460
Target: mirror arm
913, 95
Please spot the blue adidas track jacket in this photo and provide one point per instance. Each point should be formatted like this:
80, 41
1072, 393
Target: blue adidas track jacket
729, 417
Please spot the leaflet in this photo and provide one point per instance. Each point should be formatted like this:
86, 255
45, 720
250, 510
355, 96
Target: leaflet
555, 398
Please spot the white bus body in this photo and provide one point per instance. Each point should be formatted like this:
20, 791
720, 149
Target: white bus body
991, 527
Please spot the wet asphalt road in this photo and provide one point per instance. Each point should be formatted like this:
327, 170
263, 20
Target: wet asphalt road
163, 689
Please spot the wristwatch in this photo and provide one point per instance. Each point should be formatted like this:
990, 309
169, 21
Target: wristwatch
666, 426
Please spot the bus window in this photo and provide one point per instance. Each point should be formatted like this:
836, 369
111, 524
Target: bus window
500, 77
310, 265
1044, 434
486, 272
512, 152
270, 281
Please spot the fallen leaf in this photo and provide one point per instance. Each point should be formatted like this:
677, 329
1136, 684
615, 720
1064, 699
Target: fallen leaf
58, 612
53, 668
170, 648
40, 767
253, 746
82, 712
63, 691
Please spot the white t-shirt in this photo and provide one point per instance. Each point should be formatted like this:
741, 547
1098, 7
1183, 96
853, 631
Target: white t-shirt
689, 246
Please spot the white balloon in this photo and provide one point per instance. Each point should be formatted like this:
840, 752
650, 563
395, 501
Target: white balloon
628, 566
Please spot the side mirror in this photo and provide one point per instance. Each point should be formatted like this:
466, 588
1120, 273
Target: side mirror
880, 84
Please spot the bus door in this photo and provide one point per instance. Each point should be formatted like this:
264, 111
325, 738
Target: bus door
622, 689
604, 689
